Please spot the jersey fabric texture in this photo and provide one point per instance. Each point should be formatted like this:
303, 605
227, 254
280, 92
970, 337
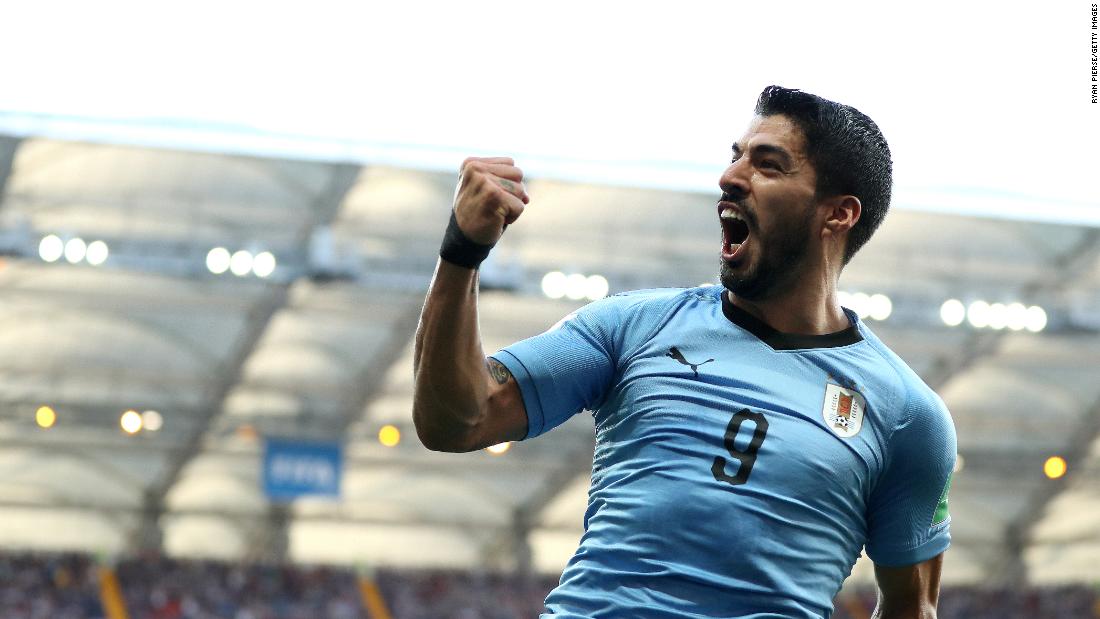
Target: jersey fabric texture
738, 471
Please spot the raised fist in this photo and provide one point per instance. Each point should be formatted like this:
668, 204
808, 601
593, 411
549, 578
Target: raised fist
489, 196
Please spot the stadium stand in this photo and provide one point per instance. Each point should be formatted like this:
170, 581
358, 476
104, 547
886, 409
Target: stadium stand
65, 586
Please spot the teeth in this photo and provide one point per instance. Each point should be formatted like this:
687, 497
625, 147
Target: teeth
729, 213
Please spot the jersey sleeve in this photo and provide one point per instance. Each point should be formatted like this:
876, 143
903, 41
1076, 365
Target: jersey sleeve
907, 514
568, 368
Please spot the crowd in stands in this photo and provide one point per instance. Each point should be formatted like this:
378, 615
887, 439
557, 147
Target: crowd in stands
158, 588
66, 586
58, 586
1067, 602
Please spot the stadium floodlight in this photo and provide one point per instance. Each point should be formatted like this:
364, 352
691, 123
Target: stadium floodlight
152, 420
596, 287
880, 307
217, 260
241, 263
576, 286
263, 264
75, 249
97, 253
389, 436
861, 304
952, 312
499, 448
1036, 319
50, 248
1017, 316
998, 316
45, 417
553, 284
977, 313
130, 421
844, 298
1054, 467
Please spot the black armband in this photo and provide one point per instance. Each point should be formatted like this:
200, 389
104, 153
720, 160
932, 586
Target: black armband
460, 250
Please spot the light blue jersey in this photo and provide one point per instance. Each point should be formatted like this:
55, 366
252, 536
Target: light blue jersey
738, 471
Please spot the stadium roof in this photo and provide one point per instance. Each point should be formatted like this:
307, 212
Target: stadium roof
320, 349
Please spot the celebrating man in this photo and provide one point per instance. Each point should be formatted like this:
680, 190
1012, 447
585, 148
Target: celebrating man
751, 438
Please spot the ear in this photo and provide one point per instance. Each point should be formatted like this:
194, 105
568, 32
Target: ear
841, 214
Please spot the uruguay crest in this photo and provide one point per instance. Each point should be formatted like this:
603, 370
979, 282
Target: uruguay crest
843, 410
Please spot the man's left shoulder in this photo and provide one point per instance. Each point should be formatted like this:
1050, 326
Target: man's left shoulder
918, 396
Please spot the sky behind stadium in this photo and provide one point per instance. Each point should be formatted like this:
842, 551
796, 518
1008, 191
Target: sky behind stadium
987, 107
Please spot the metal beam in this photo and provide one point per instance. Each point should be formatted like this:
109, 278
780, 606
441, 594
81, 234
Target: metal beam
273, 542
1063, 269
1021, 531
8, 148
259, 317
515, 541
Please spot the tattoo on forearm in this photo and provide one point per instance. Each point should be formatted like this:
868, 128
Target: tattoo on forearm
497, 369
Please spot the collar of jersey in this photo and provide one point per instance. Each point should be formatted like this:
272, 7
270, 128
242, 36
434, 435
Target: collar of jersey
786, 341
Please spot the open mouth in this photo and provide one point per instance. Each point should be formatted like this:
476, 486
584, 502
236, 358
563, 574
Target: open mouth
735, 233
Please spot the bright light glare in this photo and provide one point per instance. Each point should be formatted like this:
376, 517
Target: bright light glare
263, 264
596, 287
978, 314
50, 248
45, 417
1054, 467
152, 421
1036, 319
75, 250
881, 307
576, 286
952, 312
130, 422
499, 448
861, 304
217, 260
1017, 316
553, 284
998, 316
97, 253
241, 263
389, 436
960, 463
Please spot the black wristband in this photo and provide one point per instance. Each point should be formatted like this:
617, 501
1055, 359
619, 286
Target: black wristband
460, 250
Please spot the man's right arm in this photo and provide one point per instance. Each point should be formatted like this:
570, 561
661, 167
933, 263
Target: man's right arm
463, 400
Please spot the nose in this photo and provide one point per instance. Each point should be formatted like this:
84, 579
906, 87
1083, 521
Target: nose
734, 181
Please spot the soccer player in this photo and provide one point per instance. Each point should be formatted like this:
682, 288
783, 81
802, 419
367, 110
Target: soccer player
751, 438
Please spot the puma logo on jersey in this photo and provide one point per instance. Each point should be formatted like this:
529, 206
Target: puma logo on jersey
679, 356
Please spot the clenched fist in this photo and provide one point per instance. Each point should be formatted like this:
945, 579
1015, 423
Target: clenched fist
489, 196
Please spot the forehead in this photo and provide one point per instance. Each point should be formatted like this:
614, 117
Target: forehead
775, 130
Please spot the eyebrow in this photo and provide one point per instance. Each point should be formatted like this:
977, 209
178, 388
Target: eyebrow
767, 149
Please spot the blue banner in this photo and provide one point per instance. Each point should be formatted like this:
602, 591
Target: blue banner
297, 468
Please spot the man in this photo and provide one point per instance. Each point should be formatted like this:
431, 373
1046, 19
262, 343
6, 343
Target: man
752, 438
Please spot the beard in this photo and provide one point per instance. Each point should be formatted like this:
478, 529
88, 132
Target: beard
778, 266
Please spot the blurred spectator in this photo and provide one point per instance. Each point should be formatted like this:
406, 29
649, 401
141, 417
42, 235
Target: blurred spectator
65, 586
59, 586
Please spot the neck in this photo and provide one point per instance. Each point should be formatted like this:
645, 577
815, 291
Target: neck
809, 307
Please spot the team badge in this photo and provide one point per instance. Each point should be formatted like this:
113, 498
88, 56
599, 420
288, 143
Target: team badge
843, 410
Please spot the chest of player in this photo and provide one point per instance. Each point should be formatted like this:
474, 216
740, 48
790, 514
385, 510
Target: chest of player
734, 416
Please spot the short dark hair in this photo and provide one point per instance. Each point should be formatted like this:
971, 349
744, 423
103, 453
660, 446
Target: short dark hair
847, 150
